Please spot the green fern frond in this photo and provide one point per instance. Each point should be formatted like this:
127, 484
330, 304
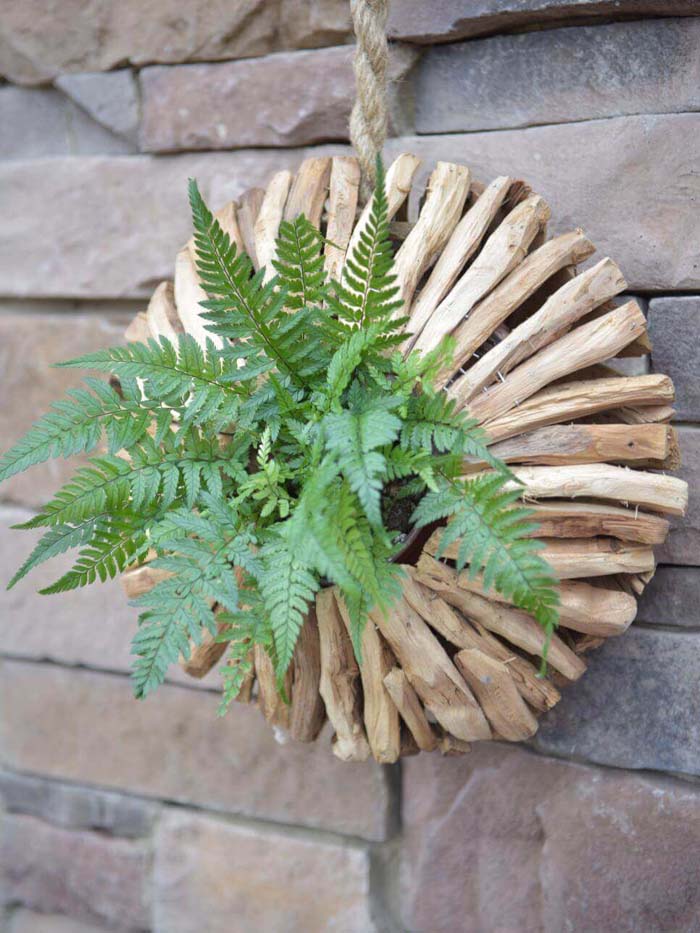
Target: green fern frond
56, 540
299, 264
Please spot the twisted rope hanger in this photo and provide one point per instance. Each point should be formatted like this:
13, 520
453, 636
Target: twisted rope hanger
369, 117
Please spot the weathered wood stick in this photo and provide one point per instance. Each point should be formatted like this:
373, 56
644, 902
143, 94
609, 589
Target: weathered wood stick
580, 399
228, 221
380, 713
161, 314
271, 704
502, 252
446, 194
590, 343
342, 209
560, 312
340, 681
409, 706
463, 243
138, 330
308, 712
587, 520
564, 444
455, 629
245, 694
188, 297
399, 178
309, 190
267, 223
139, 580
645, 414
449, 746
431, 673
249, 205
204, 656
494, 688
574, 558
512, 624
654, 491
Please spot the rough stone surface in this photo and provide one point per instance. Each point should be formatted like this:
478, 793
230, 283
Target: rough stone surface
97, 35
636, 706
29, 345
29, 921
40, 122
672, 598
505, 840
84, 726
449, 20
237, 104
110, 98
674, 325
84, 875
683, 543
111, 227
601, 175
76, 807
105, 228
647, 66
264, 880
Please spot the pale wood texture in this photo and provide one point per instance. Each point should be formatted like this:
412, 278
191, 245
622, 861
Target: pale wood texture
342, 209
586, 520
409, 706
188, 297
267, 223
495, 690
465, 240
139, 580
249, 205
501, 253
446, 194
273, 707
340, 681
161, 314
309, 190
308, 712
205, 656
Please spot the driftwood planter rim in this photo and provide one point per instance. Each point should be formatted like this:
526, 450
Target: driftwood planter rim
453, 663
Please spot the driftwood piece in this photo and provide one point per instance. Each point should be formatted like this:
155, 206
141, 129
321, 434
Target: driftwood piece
206, 655
409, 706
586, 520
272, 705
563, 444
245, 694
139, 580
309, 190
380, 714
523, 281
431, 673
188, 297
308, 712
653, 491
501, 253
342, 209
465, 240
580, 399
249, 205
161, 314
496, 692
590, 343
446, 194
456, 630
340, 681
267, 223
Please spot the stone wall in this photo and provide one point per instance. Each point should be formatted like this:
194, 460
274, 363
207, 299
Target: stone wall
159, 816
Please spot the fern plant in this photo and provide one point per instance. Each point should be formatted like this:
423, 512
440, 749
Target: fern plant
281, 450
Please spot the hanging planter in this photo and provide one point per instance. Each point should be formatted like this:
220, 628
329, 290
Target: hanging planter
318, 456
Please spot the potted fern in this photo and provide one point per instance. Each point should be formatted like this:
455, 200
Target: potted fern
300, 446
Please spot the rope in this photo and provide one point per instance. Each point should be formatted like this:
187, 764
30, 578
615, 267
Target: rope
369, 119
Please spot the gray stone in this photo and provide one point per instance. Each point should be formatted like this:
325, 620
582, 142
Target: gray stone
40, 122
111, 98
683, 543
234, 105
598, 175
672, 598
650, 66
76, 807
86, 876
251, 879
29, 921
504, 840
83, 726
63, 627
97, 35
637, 705
449, 20
105, 228
290, 99
674, 325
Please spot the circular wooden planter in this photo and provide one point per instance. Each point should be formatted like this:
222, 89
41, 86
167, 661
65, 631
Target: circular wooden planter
451, 663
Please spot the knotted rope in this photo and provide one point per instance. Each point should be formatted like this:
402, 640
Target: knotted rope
368, 120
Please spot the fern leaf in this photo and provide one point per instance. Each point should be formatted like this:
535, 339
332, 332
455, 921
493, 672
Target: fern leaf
56, 541
299, 263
